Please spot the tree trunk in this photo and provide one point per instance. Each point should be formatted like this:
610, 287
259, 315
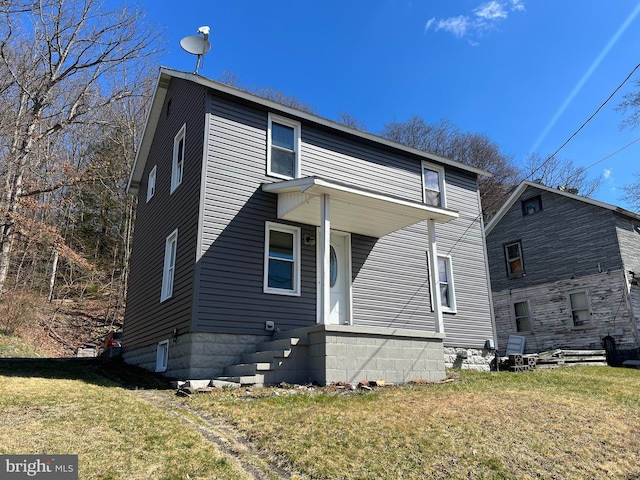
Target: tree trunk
54, 271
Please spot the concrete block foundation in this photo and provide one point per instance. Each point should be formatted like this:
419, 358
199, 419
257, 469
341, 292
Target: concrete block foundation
325, 354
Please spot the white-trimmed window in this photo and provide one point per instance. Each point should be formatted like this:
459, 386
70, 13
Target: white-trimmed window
283, 147
513, 257
445, 287
162, 356
177, 168
580, 308
151, 183
523, 320
282, 259
169, 270
433, 191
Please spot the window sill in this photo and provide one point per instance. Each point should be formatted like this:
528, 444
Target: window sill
287, 293
281, 177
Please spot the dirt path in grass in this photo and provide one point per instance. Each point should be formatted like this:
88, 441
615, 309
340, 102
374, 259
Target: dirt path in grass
229, 441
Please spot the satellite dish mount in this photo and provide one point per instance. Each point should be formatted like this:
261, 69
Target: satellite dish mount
197, 45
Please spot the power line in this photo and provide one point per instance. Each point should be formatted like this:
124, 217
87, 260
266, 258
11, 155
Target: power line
610, 155
585, 123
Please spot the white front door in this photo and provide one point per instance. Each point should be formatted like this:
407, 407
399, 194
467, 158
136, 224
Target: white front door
339, 278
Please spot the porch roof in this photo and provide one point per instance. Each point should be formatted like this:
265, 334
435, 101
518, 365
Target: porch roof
353, 209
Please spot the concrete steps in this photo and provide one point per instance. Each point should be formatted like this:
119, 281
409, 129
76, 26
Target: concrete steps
259, 368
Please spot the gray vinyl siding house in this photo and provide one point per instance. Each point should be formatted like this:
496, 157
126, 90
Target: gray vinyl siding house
290, 233
564, 271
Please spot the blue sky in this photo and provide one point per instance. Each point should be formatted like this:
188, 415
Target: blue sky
526, 73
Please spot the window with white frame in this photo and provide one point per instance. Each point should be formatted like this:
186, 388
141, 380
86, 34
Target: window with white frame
445, 284
168, 272
513, 257
580, 308
282, 259
433, 191
151, 183
177, 168
162, 356
283, 147
523, 321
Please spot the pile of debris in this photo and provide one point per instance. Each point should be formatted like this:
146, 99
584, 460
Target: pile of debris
553, 358
193, 387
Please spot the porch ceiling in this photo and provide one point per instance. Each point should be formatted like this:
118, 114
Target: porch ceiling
352, 209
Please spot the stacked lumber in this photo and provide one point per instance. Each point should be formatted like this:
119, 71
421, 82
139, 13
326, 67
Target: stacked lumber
560, 357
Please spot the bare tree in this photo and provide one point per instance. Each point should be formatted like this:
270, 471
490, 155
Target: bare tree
63, 63
351, 121
473, 149
631, 105
632, 193
560, 173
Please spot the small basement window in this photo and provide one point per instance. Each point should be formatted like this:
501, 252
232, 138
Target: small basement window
162, 356
532, 205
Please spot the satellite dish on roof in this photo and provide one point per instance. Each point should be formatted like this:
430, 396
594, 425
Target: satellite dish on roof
197, 45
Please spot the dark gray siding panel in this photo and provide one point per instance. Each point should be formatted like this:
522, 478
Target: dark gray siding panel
147, 320
568, 238
235, 211
390, 286
628, 232
463, 239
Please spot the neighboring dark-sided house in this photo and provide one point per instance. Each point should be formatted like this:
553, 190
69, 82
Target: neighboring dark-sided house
274, 245
564, 271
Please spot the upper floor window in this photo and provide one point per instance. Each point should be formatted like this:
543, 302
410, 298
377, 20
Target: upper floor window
532, 205
580, 308
151, 183
282, 259
283, 147
523, 322
513, 256
169, 269
433, 185
177, 168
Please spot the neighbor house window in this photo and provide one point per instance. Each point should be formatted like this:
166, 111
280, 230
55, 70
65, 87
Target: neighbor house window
151, 183
178, 158
445, 284
532, 205
513, 256
282, 259
580, 308
168, 273
162, 356
283, 148
433, 185
523, 322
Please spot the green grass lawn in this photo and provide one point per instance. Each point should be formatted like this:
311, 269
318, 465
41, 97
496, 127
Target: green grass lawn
572, 423
59, 407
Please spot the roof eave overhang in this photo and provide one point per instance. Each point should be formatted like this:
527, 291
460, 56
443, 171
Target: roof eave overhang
149, 130
352, 209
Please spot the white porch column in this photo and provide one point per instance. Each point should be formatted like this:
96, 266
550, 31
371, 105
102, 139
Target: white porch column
325, 245
434, 277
